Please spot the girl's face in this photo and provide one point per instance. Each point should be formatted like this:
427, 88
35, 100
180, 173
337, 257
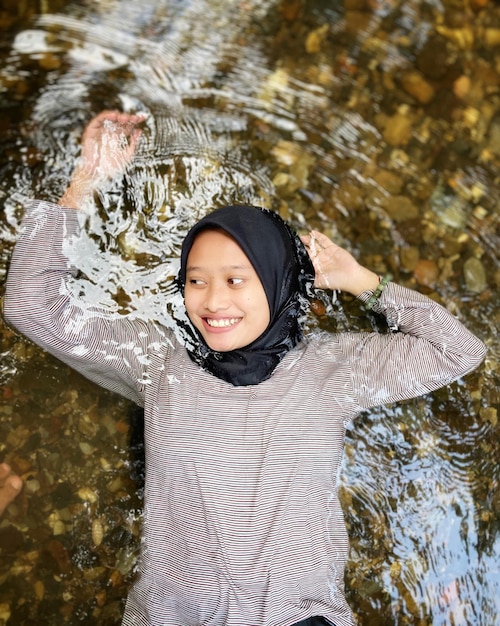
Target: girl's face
223, 295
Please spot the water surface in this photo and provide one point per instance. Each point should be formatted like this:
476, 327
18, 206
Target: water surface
376, 122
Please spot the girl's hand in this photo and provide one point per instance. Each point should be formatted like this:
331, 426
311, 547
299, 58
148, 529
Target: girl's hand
336, 268
109, 143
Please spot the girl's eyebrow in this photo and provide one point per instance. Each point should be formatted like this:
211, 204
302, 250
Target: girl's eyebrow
225, 268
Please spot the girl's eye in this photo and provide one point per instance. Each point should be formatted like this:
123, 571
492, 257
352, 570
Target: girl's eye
235, 281
196, 282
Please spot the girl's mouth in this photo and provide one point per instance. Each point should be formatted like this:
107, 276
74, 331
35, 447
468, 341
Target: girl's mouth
225, 322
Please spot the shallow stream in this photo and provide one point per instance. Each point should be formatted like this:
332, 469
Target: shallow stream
375, 121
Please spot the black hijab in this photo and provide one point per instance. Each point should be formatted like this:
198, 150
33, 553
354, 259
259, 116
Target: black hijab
287, 275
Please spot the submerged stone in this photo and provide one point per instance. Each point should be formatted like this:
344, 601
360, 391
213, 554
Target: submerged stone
474, 275
426, 272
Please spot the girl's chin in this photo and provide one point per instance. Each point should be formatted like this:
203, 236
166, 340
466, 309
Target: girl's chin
221, 343
219, 346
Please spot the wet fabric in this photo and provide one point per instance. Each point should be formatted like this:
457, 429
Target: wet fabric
242, 520
314, 621
287, 275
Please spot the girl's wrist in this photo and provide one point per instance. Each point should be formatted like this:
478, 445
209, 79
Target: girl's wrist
81, 186
365, 280
373, 299
75, 194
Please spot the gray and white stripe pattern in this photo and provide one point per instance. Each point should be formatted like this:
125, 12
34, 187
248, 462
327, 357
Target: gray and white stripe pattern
242, 523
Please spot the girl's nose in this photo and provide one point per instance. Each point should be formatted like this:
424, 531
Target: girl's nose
216, 298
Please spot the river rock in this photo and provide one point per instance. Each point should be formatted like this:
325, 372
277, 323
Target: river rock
474, 275
426, 272
409, 257
398, 129
315, 39
389, 181
462, 87
400, 208
416, 86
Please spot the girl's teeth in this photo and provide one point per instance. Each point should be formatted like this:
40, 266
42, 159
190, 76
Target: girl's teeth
221, 323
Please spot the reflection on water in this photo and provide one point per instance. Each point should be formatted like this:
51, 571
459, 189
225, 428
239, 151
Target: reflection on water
376, 122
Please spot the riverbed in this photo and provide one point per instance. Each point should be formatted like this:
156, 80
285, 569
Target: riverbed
374, 121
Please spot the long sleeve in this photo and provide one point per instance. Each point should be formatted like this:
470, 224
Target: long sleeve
106, 347
430, 349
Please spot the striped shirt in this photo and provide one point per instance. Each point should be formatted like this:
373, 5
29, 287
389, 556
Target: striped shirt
242, 522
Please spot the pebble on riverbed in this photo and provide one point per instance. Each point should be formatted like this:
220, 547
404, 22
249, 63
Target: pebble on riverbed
474, 275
